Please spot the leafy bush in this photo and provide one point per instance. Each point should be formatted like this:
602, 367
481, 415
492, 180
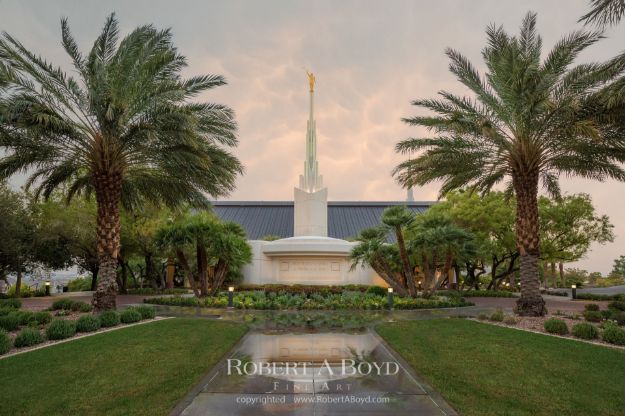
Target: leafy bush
27, 338
593, 316
146, 311
60, 329
82, 307
497, 316
487, 294
71, 305
311, 301
556, 326
617, 316
23, 317
109, 318
584, 330
591, 307
129, 316
5, 342
10, 303
9, 322
42, 317
6, 310
509, 320
594, 296
613, 334
87, 323
25, 291
80, 284
482, 317
152, 291
617, 304
376, 290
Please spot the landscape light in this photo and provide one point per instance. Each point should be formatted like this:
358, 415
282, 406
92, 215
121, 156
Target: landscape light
390, 298
390, 290
230, 296
48, 288
574, 291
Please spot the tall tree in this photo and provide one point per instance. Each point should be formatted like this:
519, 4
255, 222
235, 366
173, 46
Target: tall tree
397, 219
604, 12
124, 129
529, 121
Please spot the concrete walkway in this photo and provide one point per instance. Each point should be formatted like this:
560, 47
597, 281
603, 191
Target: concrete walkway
320, 373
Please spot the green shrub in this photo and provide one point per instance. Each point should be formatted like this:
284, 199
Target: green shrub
27, 338
497, 316
613, 334
606, 313
5, 342
109, 318
376, 290
482, 317
11, 303
79, 284
24, 317
64, 304
617, 304
87, 323
60, 329
129, 316
584, 330
591, 307
9, 322
5, 310
79, 306
556, 326
146, 311
593, 316
42, 317
509, 320
594, 296
617, 316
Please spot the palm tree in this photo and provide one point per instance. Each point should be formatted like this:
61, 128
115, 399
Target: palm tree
124, 129
528, 122
397, 219
604, 12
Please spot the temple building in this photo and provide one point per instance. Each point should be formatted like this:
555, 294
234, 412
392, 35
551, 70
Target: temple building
307, 240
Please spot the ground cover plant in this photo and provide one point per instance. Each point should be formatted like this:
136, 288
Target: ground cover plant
508, 372
120, 366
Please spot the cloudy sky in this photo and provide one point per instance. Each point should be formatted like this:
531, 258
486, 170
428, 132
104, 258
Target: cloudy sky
371, 58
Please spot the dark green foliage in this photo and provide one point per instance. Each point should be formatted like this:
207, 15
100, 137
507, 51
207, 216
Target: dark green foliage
146, 311
88, 323
591, 307
5, 342
82, 307
613, 334
9, 322
593, 316
71, 305
6, 310
42, 317
60, 329
11, 303
617, 304
27, 338
617, 316
109, 318
497, 316
482, 317
593, 296
584, 330
556, 326
376, 290
129, 316
24, 317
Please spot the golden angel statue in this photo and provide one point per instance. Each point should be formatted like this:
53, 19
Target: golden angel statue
311, 80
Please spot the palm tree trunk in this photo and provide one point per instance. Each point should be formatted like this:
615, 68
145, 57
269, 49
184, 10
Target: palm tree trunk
403, 254
108, 195
94, 278
531, 302
182, 259
561, 269
18, 280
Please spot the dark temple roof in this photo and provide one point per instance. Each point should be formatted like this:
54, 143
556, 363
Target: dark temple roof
345, 219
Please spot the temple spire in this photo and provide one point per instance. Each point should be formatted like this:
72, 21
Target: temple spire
311, 181
410, 195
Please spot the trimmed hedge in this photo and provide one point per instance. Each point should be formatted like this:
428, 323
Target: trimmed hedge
27, 338
584, 330
60, 329
42, 317
593, 296
87, 323
109, 318
591, 307
376, 290
556, 326
613, 334
130, 316
71, 305
5, 342
617, 304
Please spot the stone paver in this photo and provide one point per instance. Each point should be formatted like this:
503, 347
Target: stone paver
326, 386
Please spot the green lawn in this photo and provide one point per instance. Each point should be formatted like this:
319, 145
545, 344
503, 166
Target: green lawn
141, 370
482, 369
